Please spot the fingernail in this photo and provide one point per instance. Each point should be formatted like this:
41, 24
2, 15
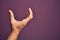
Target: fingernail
29, 8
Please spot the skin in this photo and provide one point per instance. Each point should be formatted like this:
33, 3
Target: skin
17, 26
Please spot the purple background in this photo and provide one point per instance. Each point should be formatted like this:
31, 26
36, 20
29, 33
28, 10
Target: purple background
45, 24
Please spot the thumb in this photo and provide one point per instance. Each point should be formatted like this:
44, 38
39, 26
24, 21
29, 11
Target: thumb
11, 14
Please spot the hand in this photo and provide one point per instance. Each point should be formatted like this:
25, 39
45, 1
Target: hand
19, 25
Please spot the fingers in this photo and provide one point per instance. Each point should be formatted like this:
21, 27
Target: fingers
11, 14
29, 17
30, 13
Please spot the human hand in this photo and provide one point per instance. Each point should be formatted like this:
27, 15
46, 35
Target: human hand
19, 25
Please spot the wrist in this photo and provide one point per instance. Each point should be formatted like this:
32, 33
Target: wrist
15, 32
13, 35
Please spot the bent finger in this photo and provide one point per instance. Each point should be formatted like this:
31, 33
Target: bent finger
30, 13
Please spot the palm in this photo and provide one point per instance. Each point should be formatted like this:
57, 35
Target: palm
18, 25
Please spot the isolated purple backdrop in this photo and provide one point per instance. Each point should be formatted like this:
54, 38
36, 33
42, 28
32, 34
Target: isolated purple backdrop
45, 24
